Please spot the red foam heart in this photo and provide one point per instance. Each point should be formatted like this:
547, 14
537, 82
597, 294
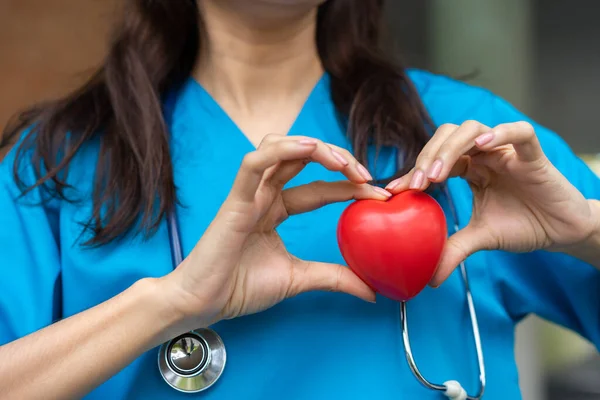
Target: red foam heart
394, 246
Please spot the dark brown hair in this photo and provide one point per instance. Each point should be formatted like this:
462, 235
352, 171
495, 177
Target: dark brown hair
154, 50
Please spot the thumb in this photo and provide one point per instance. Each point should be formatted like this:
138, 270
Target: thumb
311, 275
459, 246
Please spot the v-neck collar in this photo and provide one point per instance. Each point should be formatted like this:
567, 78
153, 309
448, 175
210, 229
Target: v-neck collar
193, 94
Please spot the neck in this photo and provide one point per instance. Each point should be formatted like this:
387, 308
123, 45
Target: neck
251, 60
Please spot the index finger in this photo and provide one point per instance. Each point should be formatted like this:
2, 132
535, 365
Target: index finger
521, 135
331, 157
309, 197
460, 143
255, 163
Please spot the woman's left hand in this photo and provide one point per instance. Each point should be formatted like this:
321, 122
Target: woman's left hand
521, 202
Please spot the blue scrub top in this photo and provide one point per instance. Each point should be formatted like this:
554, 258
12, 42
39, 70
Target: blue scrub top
317, 345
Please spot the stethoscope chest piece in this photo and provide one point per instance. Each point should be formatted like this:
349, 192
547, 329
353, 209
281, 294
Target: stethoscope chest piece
193, 361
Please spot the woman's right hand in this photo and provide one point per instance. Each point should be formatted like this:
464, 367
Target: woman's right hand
240, 265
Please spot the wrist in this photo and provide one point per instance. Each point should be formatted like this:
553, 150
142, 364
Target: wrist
588, 250
156, 295
183, 311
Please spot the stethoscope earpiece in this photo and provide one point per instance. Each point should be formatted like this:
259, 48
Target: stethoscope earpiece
192, 362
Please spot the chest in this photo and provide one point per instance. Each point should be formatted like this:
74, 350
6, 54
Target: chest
324, 338
344, 334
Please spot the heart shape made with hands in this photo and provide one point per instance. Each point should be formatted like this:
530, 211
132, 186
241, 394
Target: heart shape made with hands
394, 246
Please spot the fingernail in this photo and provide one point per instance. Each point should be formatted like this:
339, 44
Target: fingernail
364, 173
435, 170
339, 157
417, 180
372, 301
381, 191
484, 139
393, 184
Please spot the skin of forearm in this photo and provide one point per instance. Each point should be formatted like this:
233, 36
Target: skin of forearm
70, 358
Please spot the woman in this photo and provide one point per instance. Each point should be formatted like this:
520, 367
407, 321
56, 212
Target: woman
177, 120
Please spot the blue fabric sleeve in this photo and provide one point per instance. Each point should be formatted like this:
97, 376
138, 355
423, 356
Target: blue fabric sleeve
554, 286
29, 258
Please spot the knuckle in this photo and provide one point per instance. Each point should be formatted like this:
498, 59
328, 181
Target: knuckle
460, 250
318, 141
318, 188
425, 156
322, 201
451, 150
319, 193
337, 283
447, 127
320, 144
348, 156
471, 124
250, 160
270, 138
340, 278
444, 155
526, 128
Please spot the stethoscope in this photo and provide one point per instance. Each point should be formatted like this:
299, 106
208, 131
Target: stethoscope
452, 389
194, 361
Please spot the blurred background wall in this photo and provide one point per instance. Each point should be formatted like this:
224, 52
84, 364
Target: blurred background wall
542, 55
48, 47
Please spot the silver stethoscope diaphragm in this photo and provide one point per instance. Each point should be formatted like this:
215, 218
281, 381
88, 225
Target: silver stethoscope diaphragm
192, 362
